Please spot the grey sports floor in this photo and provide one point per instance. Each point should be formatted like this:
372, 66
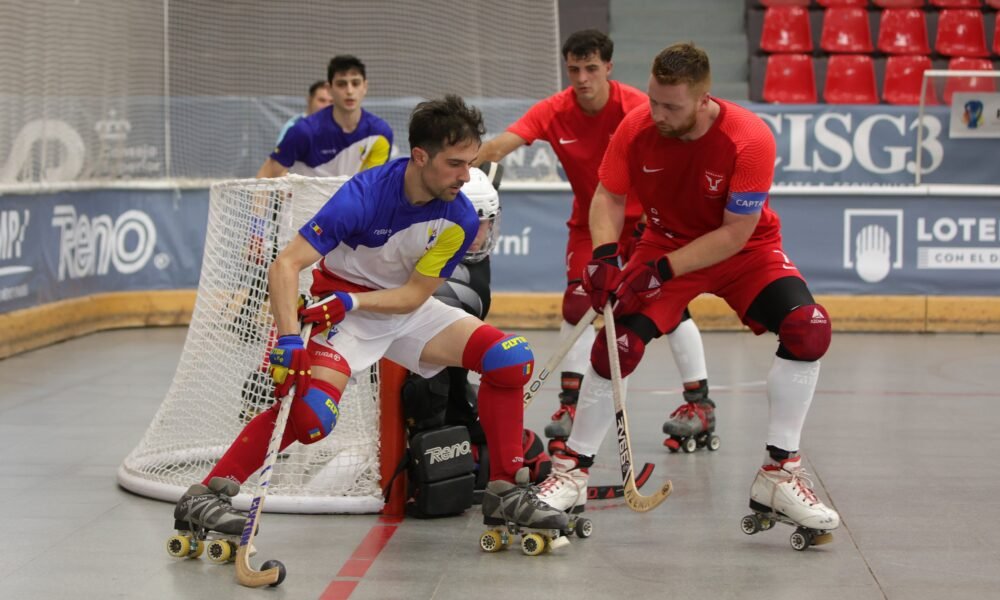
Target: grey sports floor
902, 440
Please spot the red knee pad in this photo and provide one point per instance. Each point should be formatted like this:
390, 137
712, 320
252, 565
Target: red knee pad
805, 332
630, 351
575, 304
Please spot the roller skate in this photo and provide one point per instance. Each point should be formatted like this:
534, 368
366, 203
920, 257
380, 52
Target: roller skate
205, 519
692, 425
782, 493
566, 489
514, 509
561, 425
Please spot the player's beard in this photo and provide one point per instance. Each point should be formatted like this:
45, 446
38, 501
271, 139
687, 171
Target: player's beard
681, 130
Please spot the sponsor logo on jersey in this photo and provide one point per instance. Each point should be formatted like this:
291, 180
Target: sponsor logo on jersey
564, 141
713, 181
646, 169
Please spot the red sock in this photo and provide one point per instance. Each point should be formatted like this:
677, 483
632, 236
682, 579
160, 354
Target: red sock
246, 454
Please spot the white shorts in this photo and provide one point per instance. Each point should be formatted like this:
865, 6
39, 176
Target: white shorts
362, 338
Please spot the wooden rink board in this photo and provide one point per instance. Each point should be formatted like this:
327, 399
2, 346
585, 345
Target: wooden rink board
40, 326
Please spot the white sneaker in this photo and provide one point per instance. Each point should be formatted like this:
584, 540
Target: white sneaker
566, 486
785, 489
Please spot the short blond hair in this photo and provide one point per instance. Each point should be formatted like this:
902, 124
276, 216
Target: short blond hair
682, 63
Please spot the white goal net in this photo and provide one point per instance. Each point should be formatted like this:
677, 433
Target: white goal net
221, 379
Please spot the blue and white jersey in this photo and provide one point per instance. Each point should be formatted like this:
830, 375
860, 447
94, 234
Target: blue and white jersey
316, 145
371, 235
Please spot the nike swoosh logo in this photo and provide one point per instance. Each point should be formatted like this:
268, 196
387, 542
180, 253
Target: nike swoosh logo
646, 169
562, 141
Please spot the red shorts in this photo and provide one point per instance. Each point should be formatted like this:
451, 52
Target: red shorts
580, 248
737, 280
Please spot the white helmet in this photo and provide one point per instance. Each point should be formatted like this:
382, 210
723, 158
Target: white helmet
486, 201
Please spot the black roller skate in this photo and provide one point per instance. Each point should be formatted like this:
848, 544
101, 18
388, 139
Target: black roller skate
205, 518
514, 509
561, 425
692, 425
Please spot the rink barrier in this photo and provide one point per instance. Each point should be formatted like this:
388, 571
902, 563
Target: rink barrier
40, 326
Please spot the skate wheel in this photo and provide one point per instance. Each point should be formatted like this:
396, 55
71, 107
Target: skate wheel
220, 551
584, 528
714, 442
822, 538
533, 544
491, 541
179, 546
671, 444
750, 524
800, 540
690, 445
272, 564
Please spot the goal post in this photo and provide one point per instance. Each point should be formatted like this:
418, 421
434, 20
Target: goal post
221, 379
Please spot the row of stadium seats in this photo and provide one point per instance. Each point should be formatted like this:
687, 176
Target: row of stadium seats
852, 79
958, 32
882, 3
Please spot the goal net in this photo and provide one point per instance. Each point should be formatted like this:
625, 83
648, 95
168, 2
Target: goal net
221, 380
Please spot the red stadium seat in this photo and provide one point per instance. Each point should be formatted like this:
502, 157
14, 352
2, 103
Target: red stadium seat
903, 78
790, 79
899, 3
968, 84
957, 3
829, 3
961, 33
850, 79
903, 31
785, 2
845, 29
786, 29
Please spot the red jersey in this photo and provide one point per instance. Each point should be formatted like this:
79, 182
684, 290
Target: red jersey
579, 139
685, 187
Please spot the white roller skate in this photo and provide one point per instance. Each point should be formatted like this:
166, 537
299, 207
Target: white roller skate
692, 425
783, 493
205, 518
514, 509
566, 489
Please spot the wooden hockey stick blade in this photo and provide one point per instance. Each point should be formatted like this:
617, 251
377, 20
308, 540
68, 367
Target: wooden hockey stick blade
610, 492
560, 353
246, 575
633, 498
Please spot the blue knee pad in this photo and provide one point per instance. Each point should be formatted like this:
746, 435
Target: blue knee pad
508, 362
315, 415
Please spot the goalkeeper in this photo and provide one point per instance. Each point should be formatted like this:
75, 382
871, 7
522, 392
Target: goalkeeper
385, 242
341, 139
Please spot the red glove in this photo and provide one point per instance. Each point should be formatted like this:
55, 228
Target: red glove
290, 366
641, 284
328, 312
602, 274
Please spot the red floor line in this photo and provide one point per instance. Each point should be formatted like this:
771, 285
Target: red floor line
364, 555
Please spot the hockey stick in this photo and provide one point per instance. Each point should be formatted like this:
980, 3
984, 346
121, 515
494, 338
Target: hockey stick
272, 571
633, 498
540, 376
610, 492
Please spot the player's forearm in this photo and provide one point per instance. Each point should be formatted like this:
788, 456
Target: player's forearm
271, 168
394, 301
607, 217
283, 285
497, 148
709, 249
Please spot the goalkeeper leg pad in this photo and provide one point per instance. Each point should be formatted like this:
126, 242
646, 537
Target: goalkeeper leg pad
315, 416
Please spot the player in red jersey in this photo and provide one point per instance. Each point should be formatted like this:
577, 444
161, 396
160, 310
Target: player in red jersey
702, 168
578, 122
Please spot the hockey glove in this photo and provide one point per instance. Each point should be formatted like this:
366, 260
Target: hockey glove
328, 312
633, 240
290, 366
641, 284
602, 274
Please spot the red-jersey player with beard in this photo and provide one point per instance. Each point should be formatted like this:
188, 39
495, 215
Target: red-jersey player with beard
578, 122
702, 168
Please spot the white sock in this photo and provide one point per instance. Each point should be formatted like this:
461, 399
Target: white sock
689, 352
578, 358
595, 412
790, 388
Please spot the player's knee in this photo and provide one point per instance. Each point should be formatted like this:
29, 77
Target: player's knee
508, 362
631, 347
805, 332
575, 303
315, 415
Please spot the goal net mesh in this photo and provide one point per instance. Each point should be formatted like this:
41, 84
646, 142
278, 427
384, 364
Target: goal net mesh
221, 380
172, 90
